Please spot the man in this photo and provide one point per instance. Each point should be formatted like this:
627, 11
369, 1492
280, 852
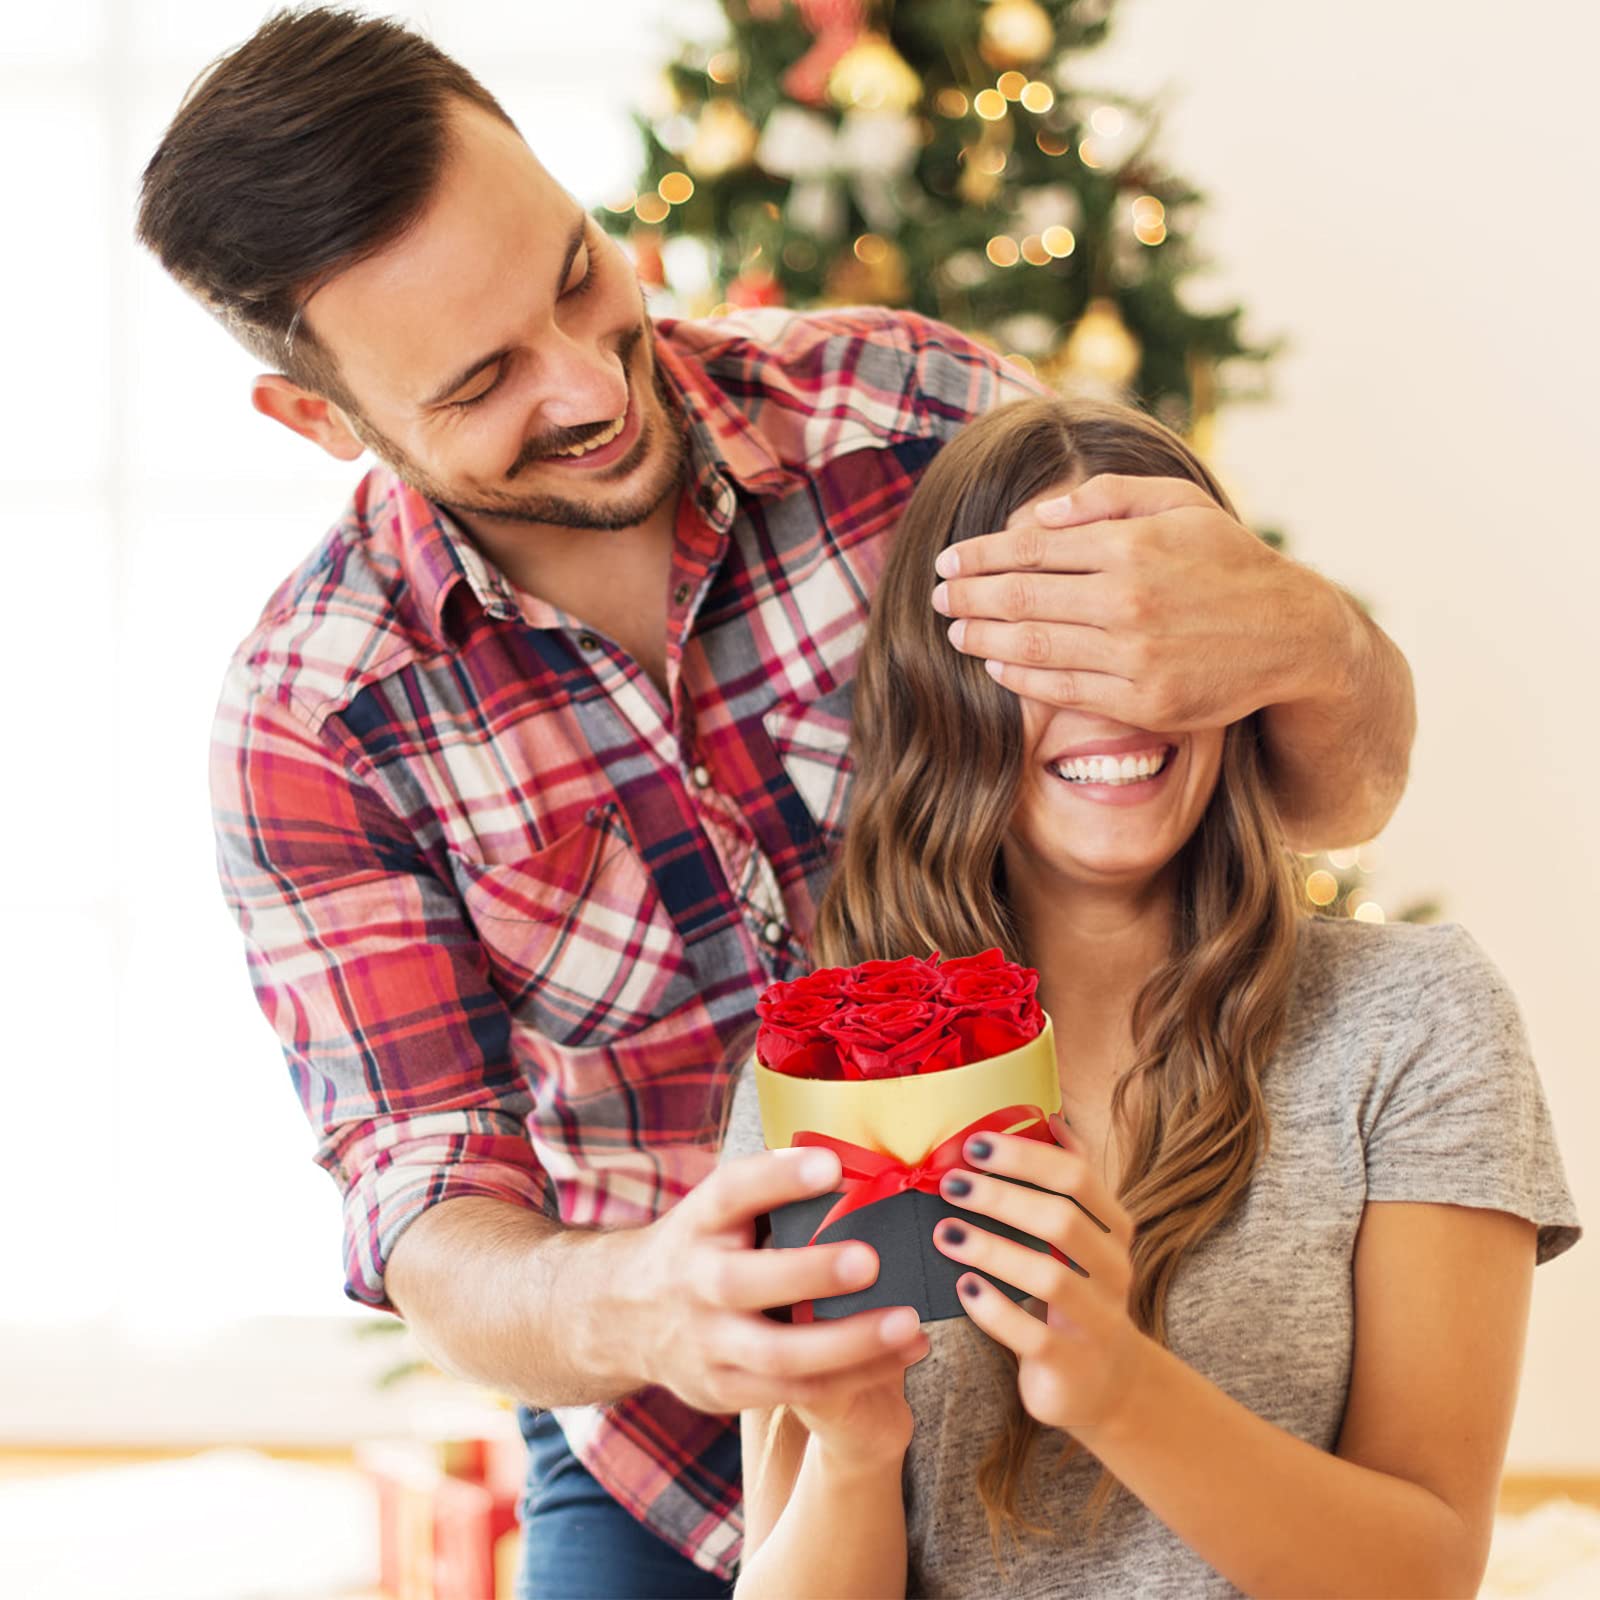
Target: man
525, 783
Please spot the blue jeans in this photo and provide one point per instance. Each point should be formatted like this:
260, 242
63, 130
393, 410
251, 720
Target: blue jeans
579, 1544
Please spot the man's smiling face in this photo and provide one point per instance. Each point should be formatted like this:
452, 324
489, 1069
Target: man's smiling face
501, 330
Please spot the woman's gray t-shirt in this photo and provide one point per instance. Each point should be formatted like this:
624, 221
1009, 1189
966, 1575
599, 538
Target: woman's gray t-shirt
1403, 1074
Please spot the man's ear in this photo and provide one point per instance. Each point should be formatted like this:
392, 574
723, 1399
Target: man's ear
309, 415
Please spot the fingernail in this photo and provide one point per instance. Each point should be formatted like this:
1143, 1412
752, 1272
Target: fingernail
958, 1186
947, 564
979, 1149
857, 1265
953, 1233
818, 1169
970, 1286
941, 599
1050, 510
958, 631
899, 1325
994, 669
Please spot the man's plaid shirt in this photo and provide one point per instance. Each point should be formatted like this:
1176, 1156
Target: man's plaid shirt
508, 910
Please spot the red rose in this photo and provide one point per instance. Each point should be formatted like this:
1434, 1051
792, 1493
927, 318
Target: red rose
908, 979
994, 1005
789, 1039
895, 1039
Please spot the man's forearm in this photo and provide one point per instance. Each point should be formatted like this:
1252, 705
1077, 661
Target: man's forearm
507, 1298
1338, 751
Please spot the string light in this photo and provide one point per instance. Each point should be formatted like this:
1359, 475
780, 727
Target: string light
989, 160
1058, 241
1003, 251
1052, 143
871, 249
1369, 911
651, 208
1038, 97
1011, 84
1322, 888
1149, 220
1106, 121
1089, 154
1342, 860
723, 67
990, 104
675, 188
950, 103
1033, 251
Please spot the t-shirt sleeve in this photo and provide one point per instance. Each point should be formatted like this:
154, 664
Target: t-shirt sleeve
1458, 1114
743, 1136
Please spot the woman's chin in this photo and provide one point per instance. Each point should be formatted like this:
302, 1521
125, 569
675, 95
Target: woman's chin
1127, 872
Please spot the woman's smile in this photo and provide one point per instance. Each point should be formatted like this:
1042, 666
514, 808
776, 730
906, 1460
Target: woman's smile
1119, 772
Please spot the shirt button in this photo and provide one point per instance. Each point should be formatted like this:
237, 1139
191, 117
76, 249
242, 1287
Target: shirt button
773, 932
680, 594
587, 641
700, 777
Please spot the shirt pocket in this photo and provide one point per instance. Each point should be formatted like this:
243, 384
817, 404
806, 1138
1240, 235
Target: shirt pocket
580, 945
812, 739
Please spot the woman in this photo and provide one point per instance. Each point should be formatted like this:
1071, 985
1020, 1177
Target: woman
1306, 1168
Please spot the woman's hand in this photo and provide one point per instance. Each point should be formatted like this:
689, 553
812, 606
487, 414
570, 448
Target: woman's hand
1078, 1365
860, 1419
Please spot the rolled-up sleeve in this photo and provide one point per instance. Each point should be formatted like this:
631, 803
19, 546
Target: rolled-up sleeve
373, 980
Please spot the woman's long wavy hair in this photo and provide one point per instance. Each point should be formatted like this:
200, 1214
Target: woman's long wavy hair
938, 751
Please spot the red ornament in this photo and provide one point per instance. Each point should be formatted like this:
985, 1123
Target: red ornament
756, 288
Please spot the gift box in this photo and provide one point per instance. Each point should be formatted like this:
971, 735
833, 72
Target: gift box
896, 1137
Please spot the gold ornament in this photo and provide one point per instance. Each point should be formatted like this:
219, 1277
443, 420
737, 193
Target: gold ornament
724, 138
872, 272
1015, 33
1101, 348
873, 76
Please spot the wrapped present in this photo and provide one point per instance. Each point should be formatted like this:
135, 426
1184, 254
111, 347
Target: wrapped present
446, 1517
894, 1066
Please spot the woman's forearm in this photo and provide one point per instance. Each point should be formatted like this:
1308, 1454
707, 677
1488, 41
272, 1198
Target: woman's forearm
842, 1534
1273, 1514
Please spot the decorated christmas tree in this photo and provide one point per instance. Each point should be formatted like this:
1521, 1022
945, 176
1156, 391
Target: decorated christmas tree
942, 156
946, 156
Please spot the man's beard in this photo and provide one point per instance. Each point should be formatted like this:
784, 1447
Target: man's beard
560, 510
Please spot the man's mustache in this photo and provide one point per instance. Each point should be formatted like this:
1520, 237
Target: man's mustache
566, 438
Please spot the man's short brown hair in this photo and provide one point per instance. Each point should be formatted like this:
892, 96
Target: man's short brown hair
308, 148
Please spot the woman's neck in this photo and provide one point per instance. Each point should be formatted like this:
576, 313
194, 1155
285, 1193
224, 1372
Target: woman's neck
1094, 950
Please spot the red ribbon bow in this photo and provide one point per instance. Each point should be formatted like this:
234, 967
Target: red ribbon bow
872, 1175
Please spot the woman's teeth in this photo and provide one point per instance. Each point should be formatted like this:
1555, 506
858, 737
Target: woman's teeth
596, 442
1111, 769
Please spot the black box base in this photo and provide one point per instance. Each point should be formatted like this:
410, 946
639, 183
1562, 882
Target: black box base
912, 1270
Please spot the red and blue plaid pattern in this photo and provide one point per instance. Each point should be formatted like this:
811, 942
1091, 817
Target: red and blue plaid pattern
508, 909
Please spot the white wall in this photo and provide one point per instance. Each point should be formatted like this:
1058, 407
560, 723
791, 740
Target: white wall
1407, 190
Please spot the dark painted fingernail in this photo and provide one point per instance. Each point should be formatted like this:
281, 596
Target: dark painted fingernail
953, 1233
971, 1287
979, 1149
957, 1185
